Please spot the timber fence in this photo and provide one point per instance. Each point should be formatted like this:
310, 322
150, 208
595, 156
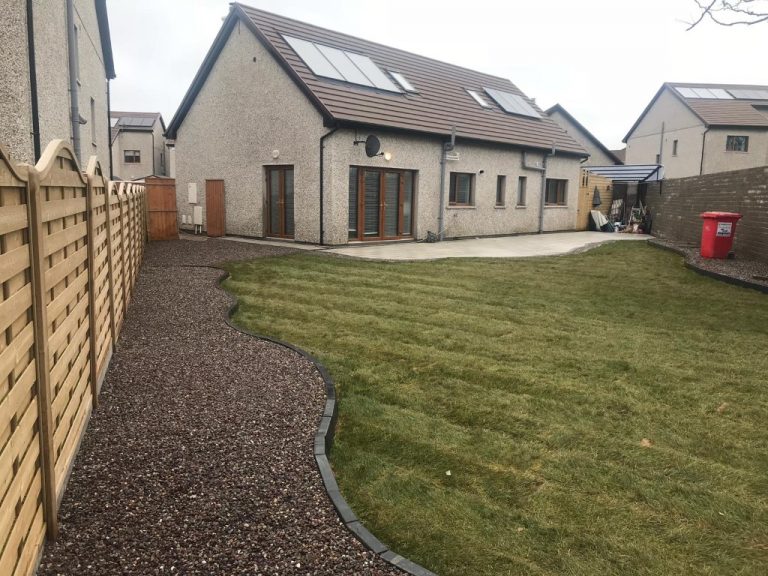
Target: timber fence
71, 244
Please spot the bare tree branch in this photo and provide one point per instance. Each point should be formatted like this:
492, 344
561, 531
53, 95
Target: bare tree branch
731, 12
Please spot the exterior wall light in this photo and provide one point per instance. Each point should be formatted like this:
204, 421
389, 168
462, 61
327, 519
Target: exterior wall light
387, 156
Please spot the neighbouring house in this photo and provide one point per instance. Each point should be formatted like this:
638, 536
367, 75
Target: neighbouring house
285, 117
599, 154
54, 80
138, 145
621, 154
695, 129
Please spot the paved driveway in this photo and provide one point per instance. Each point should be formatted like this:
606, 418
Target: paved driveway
502, 247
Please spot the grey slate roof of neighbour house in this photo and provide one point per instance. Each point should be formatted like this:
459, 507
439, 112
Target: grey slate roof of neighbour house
737, 105
134, 121
439, 102
592, 138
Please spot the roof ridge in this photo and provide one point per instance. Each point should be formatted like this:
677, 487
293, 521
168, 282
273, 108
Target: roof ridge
247, 7
716, 85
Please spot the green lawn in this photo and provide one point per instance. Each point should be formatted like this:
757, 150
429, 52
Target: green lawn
603, 413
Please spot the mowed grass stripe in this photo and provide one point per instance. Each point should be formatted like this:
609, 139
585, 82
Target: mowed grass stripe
534, 382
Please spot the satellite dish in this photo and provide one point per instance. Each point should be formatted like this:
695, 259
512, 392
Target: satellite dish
372, 146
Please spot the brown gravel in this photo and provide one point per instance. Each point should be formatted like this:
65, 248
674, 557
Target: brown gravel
199, 459
739, 268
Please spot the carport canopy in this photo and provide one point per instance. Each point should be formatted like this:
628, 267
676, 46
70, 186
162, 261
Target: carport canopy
629, 172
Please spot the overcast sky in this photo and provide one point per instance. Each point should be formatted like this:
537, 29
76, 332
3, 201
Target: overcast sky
603, 60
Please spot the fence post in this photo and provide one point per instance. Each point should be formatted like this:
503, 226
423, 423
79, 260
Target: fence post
42, 358
92, 332
110, 264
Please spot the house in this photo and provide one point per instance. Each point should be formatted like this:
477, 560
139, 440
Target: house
54, 80
695, 129
327, 138
138, 145
599, 154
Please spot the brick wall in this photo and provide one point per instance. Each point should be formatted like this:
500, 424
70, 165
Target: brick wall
677, 203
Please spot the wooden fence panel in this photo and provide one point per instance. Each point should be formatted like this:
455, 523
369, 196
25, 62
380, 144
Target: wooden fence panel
69, 248
22, 526
63, 191
118, 276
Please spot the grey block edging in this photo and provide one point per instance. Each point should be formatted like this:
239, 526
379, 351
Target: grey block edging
708, 273
322, 446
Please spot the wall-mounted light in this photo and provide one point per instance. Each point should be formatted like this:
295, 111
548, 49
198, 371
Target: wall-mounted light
275, 154
387, 156
481, 172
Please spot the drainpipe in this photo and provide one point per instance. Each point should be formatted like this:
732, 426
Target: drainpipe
703, 145
33, 81
73, 88
543, 172
153, 153
661, 145
322, 182
446, 147
109, 129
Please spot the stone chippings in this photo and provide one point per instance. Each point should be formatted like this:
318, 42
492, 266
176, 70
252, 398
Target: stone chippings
744, 270
199, 459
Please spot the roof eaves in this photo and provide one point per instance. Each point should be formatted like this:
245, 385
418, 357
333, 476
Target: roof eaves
580, 126
106, 40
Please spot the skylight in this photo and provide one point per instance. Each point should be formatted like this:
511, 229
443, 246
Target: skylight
403, 81
748, 94
512, 103
338, 64
479, 99
701, 92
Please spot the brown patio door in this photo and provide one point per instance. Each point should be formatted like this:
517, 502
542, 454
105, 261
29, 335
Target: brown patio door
280, 201
380, 204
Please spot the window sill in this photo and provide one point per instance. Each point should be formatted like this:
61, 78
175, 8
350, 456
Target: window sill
556, 206
737, 151
459, 207
500, 207
521, 207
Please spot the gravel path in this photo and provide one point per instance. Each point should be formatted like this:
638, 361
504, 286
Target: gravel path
199, 458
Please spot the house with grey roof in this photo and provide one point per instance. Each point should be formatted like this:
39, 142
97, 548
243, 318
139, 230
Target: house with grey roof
599, 154
327, 138
138, 145
695, 129
54, 80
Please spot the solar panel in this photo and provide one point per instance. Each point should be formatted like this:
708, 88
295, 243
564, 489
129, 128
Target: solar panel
403, 81
701, 92
479, 99
512, 103
749, 94
341, 65
373, 72
344, 65
313, 58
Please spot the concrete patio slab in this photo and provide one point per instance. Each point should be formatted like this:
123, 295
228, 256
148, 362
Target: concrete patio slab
501, 247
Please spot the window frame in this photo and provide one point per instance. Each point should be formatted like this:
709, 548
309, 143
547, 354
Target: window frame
135, 154
562, 186
522, 192
454, 176
732, 138
501, 191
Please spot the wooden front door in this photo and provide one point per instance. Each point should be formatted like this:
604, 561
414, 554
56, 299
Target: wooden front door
279, 202
214, 207
380, 204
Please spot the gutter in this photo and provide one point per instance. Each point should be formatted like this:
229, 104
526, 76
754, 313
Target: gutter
33, 82
73, 88
322, 182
